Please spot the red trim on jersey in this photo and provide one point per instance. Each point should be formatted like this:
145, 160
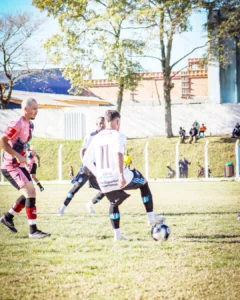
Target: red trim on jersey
10, 132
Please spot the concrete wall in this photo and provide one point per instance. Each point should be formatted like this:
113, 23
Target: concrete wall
150, 92
137, 121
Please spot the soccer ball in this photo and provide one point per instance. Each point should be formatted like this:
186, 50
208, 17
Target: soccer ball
160, 232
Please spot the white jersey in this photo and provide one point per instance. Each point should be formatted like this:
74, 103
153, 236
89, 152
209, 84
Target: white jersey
88, 139
101, 159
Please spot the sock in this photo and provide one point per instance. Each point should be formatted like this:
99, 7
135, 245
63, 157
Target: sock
18, 206
63, 208
97, 198
114, 215
147, 197
31, 212
72, 192
150, 215
117, 233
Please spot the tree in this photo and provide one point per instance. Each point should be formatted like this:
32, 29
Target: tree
164, 19
223, 28
15, 57
92, 31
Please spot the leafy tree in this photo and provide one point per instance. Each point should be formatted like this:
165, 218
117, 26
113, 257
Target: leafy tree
93, 31
164, 19
225, 26
15, 57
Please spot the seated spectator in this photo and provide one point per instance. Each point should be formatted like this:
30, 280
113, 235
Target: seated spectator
193, 134
170, 173
202, 130
236, 131
183, 167
182, 135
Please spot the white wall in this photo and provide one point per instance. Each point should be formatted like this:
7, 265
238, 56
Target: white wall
141, 121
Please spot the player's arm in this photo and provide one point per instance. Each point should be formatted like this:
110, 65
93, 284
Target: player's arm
38, 159
120, 163
6, 147
82, 152
89, 159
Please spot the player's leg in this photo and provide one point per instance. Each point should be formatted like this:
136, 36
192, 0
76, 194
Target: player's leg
31, 211
21, 179
33, 175
96, 199
139, 182
7, 218
116, 198
76, 187
93, 184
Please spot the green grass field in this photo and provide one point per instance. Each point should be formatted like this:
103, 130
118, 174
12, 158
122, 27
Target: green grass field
161, 151
201, 259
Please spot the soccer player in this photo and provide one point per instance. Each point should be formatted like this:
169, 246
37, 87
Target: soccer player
13, 142
32, 166
104, 158
81, 178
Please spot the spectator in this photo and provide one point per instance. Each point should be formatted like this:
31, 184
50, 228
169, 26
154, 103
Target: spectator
202, 130
236, 131
182, 135
127, 160
197, 126
183, 167
193, 134
170, 173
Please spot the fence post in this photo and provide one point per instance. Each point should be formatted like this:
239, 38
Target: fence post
2, 178
177, 159
146, 160
237, 157
206, 159
60, 163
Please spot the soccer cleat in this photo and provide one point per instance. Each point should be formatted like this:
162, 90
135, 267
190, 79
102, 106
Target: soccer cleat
238, 217
90, 208
156, 220
41, 188
8, 223
38, 234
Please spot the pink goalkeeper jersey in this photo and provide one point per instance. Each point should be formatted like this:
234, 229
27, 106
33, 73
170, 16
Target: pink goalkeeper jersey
19, 132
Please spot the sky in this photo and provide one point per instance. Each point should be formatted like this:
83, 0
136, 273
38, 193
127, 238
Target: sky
183, 43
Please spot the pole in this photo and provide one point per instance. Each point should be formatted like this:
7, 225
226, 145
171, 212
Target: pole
177, 159
2, 178
206, 159
237, 157
60, 163
146, 160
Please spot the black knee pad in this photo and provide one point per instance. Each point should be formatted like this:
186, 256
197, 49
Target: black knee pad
30, 202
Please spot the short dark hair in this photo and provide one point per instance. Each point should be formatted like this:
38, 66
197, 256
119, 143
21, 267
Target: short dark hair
100, 118
110, 115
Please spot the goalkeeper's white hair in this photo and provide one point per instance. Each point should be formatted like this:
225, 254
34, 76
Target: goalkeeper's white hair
28, 102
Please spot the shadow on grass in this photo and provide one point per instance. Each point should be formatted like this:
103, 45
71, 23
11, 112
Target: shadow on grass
212, 238
228, 140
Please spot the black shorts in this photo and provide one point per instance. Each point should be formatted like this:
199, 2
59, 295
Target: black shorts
17, 176
118, 196
137, 181
34, 169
